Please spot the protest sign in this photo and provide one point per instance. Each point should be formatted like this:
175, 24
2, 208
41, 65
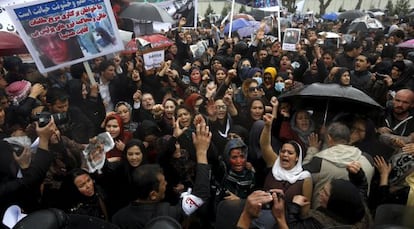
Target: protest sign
153, 59
64, 32
290, 39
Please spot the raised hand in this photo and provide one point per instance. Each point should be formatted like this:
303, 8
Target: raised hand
268, 119
178, 131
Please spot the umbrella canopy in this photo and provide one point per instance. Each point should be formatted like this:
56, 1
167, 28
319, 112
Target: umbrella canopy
11, 44
146, 11
406, 44
236, 25
351, 14
148, 43
331, 97
329, 35
364, 24
330, 16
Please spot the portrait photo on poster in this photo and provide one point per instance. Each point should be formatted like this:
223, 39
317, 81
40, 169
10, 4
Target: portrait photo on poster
290, 39
61, 33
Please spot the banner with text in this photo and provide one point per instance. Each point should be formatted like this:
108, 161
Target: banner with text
64, 32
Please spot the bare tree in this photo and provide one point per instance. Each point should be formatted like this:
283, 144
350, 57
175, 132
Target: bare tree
358, 5
323, 4
290, 5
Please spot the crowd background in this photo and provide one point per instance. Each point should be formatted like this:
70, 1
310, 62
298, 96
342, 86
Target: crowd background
213, 122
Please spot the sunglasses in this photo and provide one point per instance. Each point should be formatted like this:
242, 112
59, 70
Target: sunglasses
252, 89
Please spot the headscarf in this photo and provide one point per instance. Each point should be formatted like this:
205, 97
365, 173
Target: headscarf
294, 174
303, 135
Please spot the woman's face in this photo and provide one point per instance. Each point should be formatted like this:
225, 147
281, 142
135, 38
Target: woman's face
124, 113
358, 131
345, 79
184, 117
246, 64
328, 60
257, 110
288, 156
379, 48
197, 105
220, 76
237, 160
285, 62
324, 195
54, 48
84, 183
195, 76
135, 76
221, 109
173, 49
113, 128
254, 90
302, 120
169, 109
134, 156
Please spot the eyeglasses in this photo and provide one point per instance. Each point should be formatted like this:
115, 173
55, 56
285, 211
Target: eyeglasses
221, 107
252, 89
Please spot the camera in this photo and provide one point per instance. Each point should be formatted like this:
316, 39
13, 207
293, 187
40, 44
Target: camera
44, 118
379, 76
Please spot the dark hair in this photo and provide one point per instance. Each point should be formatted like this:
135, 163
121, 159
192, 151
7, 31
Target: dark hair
76, 70
184, 106
136, 142
55, 94
105, 64
145, 180
351, 46
77, 172
296, 145
345, 202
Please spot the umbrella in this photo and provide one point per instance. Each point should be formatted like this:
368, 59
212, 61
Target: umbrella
251, 29
146, 11
330, 16
364, 24
148, 43
332, 97
11, 44
236, 25
351, 14
329, 35
406, 44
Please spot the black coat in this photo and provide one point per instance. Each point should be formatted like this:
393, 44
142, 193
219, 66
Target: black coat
19, 191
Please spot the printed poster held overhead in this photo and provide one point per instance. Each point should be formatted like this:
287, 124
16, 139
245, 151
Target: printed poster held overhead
64, 32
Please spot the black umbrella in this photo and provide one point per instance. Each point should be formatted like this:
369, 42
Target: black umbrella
146, 11
331, 97
351, 14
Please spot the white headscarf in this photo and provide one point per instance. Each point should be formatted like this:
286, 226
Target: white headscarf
294, 174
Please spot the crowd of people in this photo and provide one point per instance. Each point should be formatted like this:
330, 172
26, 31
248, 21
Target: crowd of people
205, 140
